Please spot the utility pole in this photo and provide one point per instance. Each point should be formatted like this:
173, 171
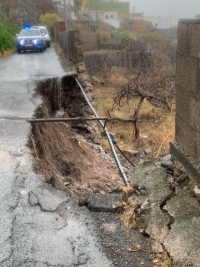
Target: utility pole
170, 22
66, 28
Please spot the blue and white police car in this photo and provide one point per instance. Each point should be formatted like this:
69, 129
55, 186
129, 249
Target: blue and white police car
30, 39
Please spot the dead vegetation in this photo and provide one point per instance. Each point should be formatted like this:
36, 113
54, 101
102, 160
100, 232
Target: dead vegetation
156, 125
143, 92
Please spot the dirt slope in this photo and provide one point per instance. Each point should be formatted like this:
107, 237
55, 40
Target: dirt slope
68, 162
69, 155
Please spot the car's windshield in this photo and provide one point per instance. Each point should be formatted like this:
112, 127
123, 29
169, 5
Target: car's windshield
43, 31
29, 33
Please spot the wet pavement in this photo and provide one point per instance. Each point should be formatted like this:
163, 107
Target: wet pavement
40, 226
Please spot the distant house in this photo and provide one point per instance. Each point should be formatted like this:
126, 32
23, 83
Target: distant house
111, 12
108, 11
71, 12
158, 22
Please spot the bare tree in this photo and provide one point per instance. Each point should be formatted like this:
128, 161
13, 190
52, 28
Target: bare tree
18, 11
151, 78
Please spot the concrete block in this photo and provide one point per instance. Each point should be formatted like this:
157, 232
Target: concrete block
77, 42
182, 102
183, 39
76, 34
187, 71
186, 137
191, 166
105, 203
194, 40
79, 50
79, 58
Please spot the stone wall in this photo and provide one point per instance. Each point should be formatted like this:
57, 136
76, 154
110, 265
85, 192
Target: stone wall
72, 45
89, 41
187, 145
102, 61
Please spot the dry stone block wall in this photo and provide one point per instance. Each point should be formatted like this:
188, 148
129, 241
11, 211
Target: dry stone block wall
187, 144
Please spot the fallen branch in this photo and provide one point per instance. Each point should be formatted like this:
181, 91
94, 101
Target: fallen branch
162, 144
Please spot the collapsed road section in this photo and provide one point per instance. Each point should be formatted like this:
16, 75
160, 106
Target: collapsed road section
69, 154
40, 226
152, 203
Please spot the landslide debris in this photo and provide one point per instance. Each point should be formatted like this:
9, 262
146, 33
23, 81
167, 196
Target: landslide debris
69, 155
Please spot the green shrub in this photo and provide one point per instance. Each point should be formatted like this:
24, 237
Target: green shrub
14, 29
6, 39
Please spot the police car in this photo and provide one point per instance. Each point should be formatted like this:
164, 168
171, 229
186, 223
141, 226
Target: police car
30, 39
45, 33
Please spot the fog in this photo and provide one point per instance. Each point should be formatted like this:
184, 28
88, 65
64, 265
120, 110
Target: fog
174, 9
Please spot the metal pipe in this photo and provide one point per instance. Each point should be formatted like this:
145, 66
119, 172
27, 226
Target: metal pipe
65, 119
124, 177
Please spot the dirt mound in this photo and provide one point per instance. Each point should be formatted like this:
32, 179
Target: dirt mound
69, 163
69, 155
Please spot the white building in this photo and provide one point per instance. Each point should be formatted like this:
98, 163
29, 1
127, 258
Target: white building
69, 3
110, 17
158, 22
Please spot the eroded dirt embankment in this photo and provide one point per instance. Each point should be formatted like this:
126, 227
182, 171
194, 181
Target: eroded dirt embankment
62, 154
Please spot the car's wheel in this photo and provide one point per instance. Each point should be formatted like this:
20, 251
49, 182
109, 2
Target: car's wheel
45, 48
48, 44
42, 49
19, 51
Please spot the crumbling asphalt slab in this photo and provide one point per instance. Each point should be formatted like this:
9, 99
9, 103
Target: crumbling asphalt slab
40, 226
125, 247
170, 216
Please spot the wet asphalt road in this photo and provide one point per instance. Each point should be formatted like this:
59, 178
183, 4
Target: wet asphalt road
39, 226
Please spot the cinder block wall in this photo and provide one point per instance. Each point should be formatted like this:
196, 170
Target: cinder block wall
75, 46
188, 93
89, 41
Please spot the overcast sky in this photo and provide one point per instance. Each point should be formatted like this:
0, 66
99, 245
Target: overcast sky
175, 8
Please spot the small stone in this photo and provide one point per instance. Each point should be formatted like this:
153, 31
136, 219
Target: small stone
82, 201
23, 192
145, 205
131, 152
167, 162
96, 191
197, 192
142, 231
181, 178
18, 153
81, 69
147, 151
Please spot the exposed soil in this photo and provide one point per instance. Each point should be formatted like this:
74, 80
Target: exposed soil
62, 154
